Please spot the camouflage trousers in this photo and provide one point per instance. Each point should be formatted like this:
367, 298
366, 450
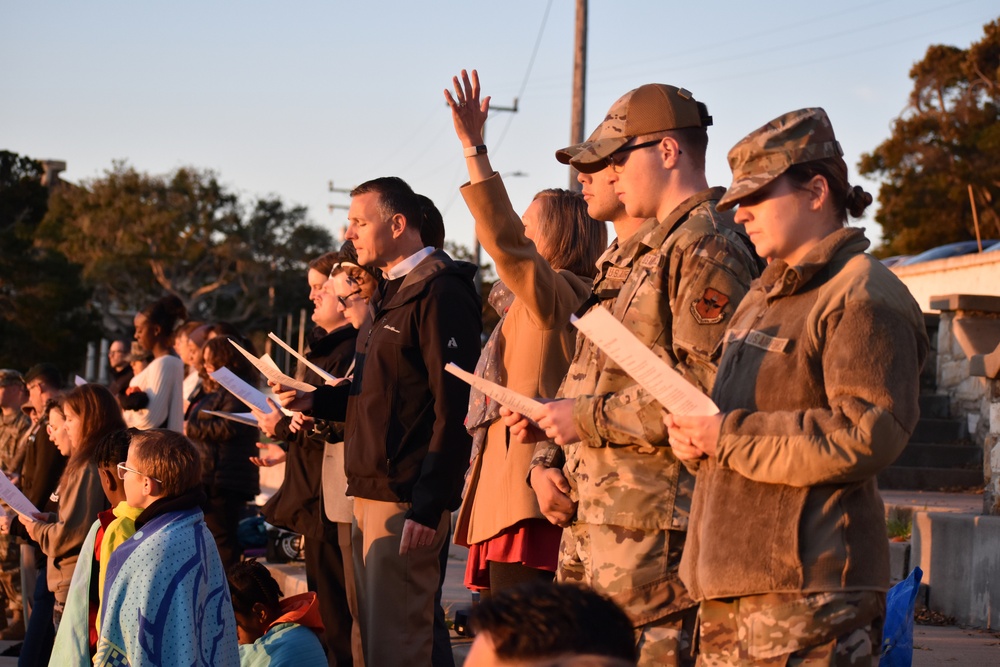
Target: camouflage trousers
10, 573
841, 629
638, 570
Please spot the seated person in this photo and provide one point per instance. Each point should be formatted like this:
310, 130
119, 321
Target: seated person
274, 632
165, 599
537, 623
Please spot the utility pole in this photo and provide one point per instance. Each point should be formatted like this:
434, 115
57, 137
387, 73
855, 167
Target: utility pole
579, 85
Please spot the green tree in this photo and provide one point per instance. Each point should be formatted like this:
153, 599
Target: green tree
43, 304
947, 139
138, 235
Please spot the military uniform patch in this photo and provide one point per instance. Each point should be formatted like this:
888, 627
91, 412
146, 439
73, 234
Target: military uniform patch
618, 273
710, 308
650, 261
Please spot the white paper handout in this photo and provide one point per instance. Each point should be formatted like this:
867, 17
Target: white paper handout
271, 371
251, 396
653, 374
238, 417
13, 497
327, 378
502, 395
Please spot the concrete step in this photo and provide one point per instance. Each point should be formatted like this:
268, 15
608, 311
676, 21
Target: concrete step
934, 406
923, 455
927, 479
939, 431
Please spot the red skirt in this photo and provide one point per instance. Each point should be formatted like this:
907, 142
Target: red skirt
530, 542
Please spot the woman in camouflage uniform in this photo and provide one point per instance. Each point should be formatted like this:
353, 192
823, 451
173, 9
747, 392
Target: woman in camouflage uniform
817, 389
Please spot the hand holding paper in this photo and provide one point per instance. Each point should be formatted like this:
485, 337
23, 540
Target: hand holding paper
327, 378
666, 385
270, 371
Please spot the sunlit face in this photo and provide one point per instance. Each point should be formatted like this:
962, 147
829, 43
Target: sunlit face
12, 395
315, 279
145, 332
599, 193
193, 357
135, 484
327, 313
207, 363
181, 346
74, 427
371, 234
58, 433
350, 299
775, 219
482, 653
638, 185
38, 394
532, 226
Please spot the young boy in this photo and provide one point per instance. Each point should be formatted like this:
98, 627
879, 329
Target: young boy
166, 601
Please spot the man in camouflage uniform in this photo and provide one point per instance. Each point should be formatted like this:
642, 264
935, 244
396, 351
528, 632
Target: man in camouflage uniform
674, 283
14, 425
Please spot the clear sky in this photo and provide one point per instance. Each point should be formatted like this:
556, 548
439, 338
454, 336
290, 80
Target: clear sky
282, 97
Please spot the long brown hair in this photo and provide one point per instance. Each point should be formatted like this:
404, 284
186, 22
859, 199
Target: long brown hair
100, 415
572, 239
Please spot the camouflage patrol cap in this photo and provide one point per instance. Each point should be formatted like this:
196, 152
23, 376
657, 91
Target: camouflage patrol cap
651, 108
9, 376
767, 152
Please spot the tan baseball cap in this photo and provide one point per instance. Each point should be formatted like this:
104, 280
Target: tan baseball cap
767, 152
651, 108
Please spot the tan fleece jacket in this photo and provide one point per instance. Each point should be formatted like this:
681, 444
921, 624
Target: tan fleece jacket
819, 382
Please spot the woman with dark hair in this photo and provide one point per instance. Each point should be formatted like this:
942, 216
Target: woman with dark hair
91, 413
273, 632
817, 390
162, 381
231, 479
546, 263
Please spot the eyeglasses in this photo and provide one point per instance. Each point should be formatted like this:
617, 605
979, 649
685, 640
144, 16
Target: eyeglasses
122, 469
617, 159
343, 299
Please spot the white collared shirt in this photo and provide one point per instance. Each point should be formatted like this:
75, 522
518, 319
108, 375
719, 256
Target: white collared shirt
408, 264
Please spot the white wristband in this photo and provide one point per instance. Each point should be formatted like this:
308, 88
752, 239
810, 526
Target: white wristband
473, 151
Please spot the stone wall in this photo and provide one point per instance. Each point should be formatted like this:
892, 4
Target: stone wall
968, 371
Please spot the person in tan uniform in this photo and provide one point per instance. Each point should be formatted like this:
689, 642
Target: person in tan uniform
818, 388
674, 283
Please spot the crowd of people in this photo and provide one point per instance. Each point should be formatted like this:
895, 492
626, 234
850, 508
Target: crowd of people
752, 536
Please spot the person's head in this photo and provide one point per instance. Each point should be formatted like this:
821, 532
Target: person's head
319, 272
196, 341
55, 426
92, 412
181, 337
12, 391
160, 464
256, 599
43, 382
790, 184
154, 326
565, 235
597, 188
384, 221
111, 450
219, 352
138, 358
348, 296
431, 224
535, 621
118, 354
654, 139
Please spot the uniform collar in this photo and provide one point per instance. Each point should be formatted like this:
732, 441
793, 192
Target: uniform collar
780, 279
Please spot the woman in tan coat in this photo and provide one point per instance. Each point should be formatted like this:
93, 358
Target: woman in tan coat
546, 263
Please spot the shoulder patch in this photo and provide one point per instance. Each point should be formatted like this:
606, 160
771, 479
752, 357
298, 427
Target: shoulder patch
711, 307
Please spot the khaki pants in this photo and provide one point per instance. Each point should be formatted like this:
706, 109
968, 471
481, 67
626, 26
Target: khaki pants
395, 593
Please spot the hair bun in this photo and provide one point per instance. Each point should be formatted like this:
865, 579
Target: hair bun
857, 201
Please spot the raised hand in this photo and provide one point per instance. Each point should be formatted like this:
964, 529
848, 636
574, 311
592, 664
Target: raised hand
467, 112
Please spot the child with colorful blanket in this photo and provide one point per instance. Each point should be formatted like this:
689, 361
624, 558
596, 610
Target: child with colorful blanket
165, 598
